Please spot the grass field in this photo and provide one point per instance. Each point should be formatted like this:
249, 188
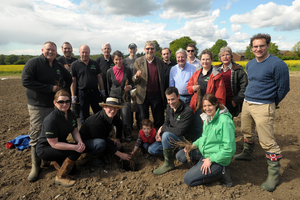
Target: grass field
7, 70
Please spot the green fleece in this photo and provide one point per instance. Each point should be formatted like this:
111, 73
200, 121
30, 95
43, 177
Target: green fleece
218, 139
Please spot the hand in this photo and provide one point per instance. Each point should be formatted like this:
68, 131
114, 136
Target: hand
127, 88
185, 149
158, 137
55, 88
233, 104
118, 144
196, 87
125, 156
138, 74
80, 147
74, 98
206, 165
132, 153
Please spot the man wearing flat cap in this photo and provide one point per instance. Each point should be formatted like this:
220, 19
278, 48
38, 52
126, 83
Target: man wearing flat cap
95, 131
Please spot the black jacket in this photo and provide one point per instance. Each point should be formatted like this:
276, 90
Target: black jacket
239, 82
113, 87
180, 121
99, 126
39, 78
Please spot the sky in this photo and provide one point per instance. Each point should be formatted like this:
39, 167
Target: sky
26, 25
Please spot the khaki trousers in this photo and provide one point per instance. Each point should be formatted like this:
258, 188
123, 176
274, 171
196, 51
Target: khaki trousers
37, 115
263, 117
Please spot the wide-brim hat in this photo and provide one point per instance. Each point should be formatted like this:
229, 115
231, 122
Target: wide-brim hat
112, 102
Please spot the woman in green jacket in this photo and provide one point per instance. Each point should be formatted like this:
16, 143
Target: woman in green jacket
214, 149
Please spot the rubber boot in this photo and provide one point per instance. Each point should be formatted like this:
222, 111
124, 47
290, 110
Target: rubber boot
246, 153
62, 175
168, 164
226, 177
35, 167
272, 180
127, 133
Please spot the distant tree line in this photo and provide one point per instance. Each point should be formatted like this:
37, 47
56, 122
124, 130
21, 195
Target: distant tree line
174, 46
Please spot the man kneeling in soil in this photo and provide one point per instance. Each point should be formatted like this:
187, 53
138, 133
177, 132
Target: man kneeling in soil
95, 131
179, 118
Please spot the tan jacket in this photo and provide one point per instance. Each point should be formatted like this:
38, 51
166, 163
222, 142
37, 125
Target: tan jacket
142, 82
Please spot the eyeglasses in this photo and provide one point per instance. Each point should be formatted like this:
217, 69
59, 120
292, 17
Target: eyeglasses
149, 49
64, 102
190, 50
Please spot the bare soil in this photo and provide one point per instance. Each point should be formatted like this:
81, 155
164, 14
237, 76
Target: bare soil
113, 182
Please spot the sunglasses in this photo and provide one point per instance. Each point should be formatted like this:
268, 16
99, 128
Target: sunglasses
64, 102
190, 50
149, 49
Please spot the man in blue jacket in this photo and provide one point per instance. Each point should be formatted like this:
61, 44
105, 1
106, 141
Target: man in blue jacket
268, 85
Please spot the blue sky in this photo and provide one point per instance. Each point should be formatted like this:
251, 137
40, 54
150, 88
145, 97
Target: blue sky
26, 25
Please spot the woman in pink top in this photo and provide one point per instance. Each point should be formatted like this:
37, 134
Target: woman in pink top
119, 82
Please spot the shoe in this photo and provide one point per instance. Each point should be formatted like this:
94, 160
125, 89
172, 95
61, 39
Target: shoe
226, 177
35, 167
272, 179
168, 164
246, 153
61, 177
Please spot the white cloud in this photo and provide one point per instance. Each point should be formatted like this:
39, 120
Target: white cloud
235, 27
280, 37
228, 5
185, 9
223, 22
271, 15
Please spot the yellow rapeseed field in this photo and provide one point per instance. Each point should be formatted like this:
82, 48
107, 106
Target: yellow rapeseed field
11, 69
294, 65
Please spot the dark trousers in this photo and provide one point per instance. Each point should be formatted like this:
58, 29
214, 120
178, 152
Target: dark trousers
89, 98
194, 176
96, 146
59, 156
157, 109
230, 107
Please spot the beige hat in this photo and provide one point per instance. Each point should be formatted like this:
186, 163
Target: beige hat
112, 102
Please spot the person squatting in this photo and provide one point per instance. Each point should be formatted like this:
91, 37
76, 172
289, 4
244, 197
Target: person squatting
199, 101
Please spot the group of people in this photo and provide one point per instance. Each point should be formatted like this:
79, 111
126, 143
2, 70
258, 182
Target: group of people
199, 101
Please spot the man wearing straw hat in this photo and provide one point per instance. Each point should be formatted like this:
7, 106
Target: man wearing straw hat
95, 131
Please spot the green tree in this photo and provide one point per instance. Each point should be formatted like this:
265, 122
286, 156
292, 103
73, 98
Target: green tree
273, 49
20, 61
157, 49
2, 58
11, 59
215, 49
248, 53
181, 43
296, 49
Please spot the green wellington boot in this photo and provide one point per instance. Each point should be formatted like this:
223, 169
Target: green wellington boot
168, 164
35, 167
246, 153
272, 180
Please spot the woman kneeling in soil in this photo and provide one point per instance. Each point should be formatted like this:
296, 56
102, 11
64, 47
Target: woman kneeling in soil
52, 144
214, 149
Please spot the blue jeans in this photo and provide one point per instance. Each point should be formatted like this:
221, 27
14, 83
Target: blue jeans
194, 176
96, 146
157, 147
186, 99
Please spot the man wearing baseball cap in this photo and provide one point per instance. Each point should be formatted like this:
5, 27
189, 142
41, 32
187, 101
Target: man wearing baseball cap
95, 131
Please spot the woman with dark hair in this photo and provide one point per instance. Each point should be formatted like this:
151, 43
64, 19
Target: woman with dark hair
213, 151
52, 144
119, 83
208, 78
235, 79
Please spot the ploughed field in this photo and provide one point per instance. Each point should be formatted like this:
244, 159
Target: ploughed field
113, 182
